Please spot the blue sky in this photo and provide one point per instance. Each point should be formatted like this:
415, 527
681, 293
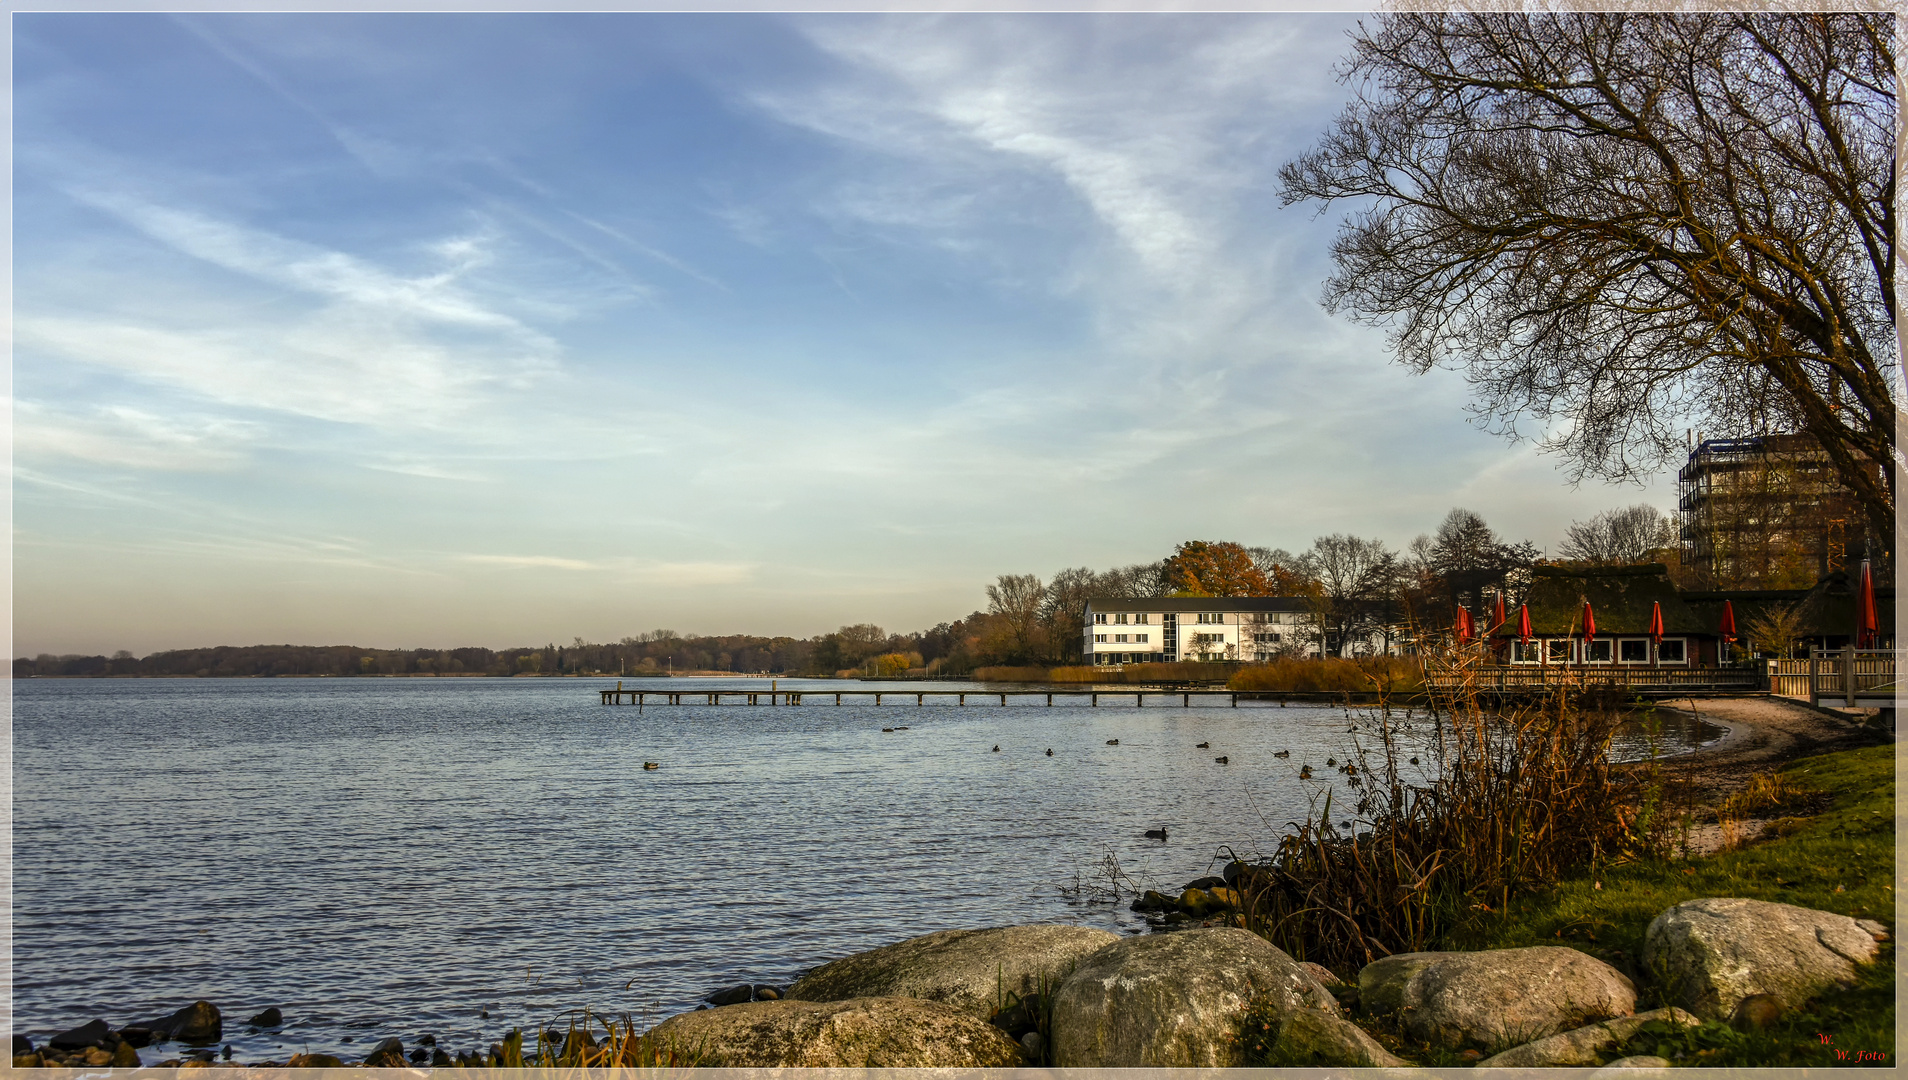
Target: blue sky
424, 330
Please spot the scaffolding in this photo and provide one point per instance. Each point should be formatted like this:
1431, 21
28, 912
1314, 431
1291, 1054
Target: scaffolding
1768, 512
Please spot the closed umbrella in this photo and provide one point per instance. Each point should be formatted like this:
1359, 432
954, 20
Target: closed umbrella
1463, 625
1589, 622
1498, 618
1728, 621
1656, 620
1868, 628
1523, 622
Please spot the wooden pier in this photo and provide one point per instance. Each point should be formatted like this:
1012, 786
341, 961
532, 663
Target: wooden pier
1182, 699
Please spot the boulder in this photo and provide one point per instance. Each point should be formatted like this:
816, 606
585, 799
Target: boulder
1176, 1000
125, 1057
1585, 1045
1322, 973
388, 1054
138, 1036
731, 995
91, 1033
1151, 900
866, 1032
314, 1061
271, 1017
1710, 954
1381, 983
1310, 1039
1623, 1065
970, 970
196, 1023
1497, 998
765, 992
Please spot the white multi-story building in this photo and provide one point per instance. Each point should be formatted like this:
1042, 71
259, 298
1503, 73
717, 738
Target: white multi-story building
1169, 629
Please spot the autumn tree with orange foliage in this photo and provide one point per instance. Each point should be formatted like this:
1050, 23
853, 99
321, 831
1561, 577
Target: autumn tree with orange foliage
1200, 568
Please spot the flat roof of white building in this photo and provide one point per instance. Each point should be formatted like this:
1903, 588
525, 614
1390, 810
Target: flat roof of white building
1200, 603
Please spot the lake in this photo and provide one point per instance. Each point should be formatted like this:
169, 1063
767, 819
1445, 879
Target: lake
456, 857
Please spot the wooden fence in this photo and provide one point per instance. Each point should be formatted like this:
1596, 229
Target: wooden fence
1510, 679
1847, 677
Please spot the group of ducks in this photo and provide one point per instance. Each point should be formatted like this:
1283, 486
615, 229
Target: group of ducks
1223, 759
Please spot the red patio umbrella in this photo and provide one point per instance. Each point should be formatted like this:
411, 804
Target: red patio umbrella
1498, 618
1463, 625
1656, 620
1729, 621
1589, 622
1523, 622
1867, 628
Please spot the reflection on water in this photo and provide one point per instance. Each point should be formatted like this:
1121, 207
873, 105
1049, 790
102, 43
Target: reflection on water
457, 856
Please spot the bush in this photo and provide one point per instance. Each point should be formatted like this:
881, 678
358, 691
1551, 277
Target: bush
1509, 802
1010, 674
1331, 675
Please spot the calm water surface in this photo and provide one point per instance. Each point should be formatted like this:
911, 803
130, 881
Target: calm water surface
401, 856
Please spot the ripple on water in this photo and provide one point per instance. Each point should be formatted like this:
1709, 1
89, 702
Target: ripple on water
396, 856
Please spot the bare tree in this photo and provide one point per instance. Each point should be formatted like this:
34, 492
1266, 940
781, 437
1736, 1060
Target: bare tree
1355, 577
1619, 224
1469, 561
1776, 628
1623, 537
1016, 600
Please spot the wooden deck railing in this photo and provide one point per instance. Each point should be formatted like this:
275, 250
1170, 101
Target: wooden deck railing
1658, 680
1849, 677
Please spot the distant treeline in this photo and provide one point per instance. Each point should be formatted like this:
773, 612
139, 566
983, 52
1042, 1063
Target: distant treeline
1355, 591
656, 652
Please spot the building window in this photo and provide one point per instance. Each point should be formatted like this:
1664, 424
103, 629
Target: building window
1099, 638
1121, 619
1212, 618
1272, 639
1524, 652
1099, 618
1140, 618
1633, 651
1120, 637
1597, 651
1140, 638
1560, 650
1672, 651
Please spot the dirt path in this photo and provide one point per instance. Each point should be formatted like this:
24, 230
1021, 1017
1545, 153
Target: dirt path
1765, 733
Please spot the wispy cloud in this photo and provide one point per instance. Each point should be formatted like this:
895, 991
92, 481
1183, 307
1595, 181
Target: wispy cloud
125, 437
627, 570
349, 341
547, 562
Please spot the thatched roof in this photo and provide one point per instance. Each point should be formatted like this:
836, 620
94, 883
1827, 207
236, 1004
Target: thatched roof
1827, 609
1620, 599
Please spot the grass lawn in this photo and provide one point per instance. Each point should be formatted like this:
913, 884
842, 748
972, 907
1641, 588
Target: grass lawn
1840, 858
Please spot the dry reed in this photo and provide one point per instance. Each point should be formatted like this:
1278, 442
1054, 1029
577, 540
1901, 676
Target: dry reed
1365, 674
1511, 799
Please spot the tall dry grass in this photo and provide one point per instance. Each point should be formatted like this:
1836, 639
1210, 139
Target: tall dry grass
594, 1041
1508, 800
1380, 674
1130, 674
1008, 673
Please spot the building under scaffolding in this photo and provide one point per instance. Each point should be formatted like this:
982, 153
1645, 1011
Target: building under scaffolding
1768, 512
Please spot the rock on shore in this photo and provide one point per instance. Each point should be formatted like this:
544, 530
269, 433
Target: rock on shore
868, 1032
1718, 951
1496, 998
1178, 1000
969, 970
